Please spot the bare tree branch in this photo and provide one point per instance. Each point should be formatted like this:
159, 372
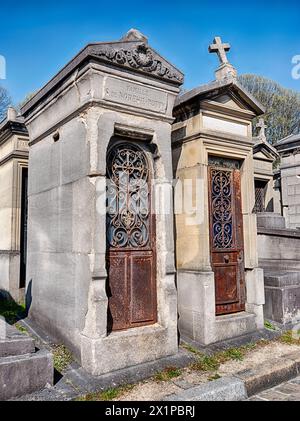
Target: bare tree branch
5, 102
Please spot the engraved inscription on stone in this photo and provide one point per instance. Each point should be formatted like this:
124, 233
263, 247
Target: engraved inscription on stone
22, 144
138, 96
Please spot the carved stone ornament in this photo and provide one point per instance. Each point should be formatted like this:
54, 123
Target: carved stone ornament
140, 58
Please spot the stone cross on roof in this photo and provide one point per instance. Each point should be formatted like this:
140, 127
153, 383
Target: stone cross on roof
219, 48
262, 128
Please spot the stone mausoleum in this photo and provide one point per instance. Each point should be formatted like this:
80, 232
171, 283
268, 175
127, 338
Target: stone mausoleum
13, 204
112, 147
103, 280
267, 192
289, 151
220, 286
279, 239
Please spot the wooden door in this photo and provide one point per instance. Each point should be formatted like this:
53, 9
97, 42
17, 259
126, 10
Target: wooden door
131, 259
226, 235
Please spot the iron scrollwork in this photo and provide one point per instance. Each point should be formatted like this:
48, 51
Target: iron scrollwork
222, 219
128, 200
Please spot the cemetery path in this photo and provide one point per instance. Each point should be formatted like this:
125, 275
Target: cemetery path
156, 382
158, 388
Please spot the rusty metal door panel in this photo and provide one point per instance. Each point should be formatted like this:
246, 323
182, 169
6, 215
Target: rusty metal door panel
117, 291
143, 299
226, 236
227, 291
131, 245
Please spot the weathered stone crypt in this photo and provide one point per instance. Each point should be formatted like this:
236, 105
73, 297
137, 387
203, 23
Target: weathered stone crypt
220, 287
13, 204
106, 115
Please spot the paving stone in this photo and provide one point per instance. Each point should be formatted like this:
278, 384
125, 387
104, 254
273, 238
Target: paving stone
288, 391
288, 388
273, 395
224, 389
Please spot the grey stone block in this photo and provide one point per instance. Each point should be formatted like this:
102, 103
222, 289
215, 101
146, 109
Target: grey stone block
267, 375
225, 389
282, 292
282, 278
20, 375
270, 220
15, 343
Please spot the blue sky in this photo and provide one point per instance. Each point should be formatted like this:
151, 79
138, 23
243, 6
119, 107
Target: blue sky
37, 39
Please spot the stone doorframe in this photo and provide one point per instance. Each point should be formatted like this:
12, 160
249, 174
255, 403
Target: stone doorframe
100, 352
203, 325
19, 165
15, 254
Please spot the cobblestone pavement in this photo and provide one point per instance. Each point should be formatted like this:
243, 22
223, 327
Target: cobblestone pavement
289, 391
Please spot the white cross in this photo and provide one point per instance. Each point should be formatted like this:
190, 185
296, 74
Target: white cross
262, 128
220, 49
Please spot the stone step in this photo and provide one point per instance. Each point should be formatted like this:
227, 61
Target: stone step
13, 342
24, 374
234, 325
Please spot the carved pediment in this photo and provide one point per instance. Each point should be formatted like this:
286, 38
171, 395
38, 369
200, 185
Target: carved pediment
230, 101
131, 53
138, 57
263, 150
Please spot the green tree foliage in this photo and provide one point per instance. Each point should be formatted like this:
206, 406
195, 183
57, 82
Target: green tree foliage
282, 106
5, 102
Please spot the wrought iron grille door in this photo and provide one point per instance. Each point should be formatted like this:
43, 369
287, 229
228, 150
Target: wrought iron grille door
260, 193
226, 235
130, 227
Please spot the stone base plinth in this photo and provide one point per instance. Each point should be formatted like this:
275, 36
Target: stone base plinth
127, 348
196, 300
282, 291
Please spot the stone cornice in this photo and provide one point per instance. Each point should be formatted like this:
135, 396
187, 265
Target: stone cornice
14, 154
206, 134
102, 104
10, 128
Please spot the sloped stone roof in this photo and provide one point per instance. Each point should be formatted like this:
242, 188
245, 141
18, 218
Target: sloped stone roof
132, 53
288, 144
214, 88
